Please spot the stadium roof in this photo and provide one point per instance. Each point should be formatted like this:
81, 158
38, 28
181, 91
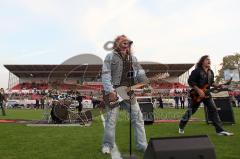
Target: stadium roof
89, 71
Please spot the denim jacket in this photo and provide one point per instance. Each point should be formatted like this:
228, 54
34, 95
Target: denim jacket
112, 71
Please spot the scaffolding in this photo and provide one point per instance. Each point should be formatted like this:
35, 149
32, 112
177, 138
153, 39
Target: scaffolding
13, 80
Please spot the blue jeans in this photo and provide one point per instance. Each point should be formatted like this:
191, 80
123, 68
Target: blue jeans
137, 122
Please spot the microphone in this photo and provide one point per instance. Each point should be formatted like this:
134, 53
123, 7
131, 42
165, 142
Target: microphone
130, 42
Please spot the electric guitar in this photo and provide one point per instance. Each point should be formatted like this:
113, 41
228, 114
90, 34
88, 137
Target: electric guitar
125, 92
195, 96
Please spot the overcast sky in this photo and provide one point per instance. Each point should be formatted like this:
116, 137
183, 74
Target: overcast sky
166, 31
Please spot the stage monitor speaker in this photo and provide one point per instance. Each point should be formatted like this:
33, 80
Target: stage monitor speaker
186, 147
225, 111
147, 111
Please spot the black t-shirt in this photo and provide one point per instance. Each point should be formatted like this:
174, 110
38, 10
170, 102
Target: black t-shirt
126, 73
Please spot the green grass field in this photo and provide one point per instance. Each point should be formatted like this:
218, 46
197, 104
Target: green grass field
18, 141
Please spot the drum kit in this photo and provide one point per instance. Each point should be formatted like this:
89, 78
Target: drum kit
62, 112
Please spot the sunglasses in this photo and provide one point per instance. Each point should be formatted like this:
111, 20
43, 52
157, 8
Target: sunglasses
126, 43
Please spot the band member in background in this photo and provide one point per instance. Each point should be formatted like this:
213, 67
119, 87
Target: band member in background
203, 75
2, 99
182, 100
79, 99
176, 99
115, 73
160, 101
37, 103
42, 102
189, 101
238, 100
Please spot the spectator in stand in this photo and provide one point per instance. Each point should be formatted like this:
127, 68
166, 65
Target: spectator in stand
182, 100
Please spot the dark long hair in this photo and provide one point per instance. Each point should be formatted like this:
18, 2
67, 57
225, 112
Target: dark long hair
200, 62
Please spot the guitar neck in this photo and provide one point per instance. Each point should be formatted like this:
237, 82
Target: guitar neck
136, 86
150, 80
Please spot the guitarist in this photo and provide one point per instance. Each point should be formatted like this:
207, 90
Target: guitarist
115, 73
200, 77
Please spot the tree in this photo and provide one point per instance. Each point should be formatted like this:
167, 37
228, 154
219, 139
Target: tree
229, 62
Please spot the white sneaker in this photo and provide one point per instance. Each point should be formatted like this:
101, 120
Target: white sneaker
106, 150
225, 133
181, 131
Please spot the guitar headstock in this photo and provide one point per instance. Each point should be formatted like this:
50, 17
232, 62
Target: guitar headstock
229, 81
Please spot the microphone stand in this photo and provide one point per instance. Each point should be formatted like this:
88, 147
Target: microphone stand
131, 81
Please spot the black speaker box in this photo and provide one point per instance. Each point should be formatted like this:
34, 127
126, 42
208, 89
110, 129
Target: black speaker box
147, 111
225, 111
187, 147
